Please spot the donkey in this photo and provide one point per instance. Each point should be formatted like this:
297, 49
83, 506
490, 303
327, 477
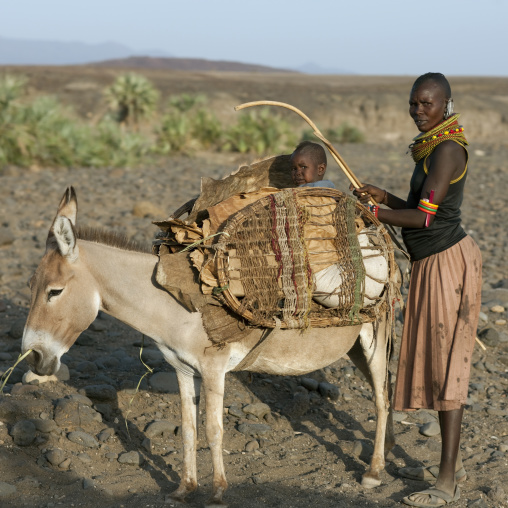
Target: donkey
83, 273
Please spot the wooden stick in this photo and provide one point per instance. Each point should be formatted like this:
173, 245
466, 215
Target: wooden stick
338, 159
481, 344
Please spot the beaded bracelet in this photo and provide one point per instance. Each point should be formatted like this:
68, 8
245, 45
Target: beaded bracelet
373, 209
425, 206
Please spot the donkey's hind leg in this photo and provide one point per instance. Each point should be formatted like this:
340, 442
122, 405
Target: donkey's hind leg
190, 387
370, 355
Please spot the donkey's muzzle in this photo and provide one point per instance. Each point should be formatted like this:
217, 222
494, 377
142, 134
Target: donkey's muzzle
40, 364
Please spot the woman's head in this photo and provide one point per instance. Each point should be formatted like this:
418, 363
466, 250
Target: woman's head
430, 101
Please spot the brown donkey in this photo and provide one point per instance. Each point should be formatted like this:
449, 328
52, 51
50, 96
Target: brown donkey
81, 275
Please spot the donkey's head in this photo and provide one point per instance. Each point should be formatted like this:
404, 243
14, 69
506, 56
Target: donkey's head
65, 297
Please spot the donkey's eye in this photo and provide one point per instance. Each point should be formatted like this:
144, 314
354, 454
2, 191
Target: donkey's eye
54, 292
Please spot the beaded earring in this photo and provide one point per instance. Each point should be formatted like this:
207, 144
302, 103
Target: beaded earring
449, 109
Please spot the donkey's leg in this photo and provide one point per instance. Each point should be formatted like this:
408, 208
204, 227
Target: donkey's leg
190, 387
369, 354
358, 357
213, 384
390, 434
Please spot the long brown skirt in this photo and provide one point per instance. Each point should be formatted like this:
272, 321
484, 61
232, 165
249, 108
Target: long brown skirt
441, 318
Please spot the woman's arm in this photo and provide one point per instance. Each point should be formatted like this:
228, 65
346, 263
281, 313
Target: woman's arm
393, 202
446, 163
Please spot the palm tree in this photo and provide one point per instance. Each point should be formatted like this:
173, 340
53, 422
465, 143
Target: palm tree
132, 97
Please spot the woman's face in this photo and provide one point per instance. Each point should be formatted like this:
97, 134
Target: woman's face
427, 105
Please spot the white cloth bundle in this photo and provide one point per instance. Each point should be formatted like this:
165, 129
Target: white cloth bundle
327, 282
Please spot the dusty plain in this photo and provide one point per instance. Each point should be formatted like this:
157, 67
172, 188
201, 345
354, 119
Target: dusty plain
316, 448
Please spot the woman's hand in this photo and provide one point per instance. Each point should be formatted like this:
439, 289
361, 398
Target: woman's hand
367, 191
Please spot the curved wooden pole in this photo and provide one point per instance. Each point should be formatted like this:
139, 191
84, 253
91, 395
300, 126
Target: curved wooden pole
338, 159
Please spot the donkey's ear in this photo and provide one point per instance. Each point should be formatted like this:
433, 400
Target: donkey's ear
68, 206
63, 232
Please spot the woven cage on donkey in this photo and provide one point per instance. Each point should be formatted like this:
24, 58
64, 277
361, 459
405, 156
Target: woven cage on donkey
273, 247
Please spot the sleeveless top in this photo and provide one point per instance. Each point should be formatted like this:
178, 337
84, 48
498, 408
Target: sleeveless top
445, 231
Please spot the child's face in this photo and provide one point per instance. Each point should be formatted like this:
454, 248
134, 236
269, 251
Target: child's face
305, 170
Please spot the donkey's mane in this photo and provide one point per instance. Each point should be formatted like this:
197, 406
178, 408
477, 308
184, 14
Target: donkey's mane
111, 238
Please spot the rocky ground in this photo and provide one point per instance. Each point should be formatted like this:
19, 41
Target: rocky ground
86, 440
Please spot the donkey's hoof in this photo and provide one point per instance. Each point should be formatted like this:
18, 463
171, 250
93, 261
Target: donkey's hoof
370, 481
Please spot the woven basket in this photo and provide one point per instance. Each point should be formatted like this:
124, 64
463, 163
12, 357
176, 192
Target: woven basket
251, 222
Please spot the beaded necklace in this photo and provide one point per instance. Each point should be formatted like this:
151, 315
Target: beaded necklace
424, 144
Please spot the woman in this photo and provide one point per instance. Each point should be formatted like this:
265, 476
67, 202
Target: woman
444, 297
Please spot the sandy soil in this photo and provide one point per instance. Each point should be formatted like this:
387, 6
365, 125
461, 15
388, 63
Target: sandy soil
313, 454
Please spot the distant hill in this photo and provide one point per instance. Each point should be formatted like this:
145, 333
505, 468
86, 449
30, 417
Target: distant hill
35, 52
111, 54
186, 64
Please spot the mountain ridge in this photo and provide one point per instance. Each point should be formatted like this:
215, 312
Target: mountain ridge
187, 64
40, 52
112, 54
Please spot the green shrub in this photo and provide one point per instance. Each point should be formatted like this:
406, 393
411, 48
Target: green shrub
41, 132
44, 133
260, 132
345, 133
110, 145
206, 129
54, 134
14, 143
11, 89
186, 128
185, 102
175, 134
14, 136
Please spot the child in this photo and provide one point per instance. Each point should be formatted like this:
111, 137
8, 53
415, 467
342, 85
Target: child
308, 166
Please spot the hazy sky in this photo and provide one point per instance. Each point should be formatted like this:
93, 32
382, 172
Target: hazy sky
456, 37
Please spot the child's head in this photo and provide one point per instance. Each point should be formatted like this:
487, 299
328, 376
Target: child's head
308, 163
